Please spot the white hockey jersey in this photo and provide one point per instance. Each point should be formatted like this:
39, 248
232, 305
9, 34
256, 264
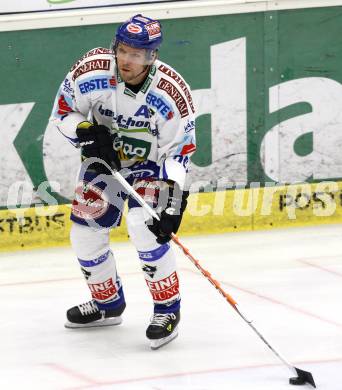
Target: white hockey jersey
156, 124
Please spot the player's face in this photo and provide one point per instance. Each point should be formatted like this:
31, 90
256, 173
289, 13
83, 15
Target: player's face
131, 63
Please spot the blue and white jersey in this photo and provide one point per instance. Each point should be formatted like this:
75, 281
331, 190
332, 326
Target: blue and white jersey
155, 124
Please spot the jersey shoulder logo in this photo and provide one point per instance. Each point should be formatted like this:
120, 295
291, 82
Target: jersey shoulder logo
90, 53
92, 65
175, 95
178, 79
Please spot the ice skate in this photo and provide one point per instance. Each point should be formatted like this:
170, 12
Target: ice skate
88, 315
162, 329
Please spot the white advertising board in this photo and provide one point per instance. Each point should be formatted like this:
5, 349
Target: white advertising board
17, 6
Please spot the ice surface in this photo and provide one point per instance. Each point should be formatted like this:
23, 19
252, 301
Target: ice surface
288, 281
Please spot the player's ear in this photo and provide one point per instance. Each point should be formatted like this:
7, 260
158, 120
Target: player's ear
153, 55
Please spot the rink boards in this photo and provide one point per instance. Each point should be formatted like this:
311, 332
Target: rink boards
267, 111
215, 212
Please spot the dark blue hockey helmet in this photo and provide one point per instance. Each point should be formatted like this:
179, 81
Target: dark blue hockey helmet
139, 32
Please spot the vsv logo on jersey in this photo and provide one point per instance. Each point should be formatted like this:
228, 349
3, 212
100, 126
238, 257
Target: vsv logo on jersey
189, 126
67, 88
158, 102
99, 83
131, 147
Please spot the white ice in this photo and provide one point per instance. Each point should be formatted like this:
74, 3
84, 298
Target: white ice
288, 281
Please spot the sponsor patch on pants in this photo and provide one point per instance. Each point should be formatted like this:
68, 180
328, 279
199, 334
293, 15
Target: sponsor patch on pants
164, 289
103, 291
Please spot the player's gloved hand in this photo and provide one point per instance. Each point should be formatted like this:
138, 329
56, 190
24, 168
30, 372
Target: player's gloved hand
96, 141
175, 202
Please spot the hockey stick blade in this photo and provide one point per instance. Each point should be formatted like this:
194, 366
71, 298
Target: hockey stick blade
302, 378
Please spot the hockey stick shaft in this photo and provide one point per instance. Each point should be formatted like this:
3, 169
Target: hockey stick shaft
204, 272
175, 239
229, 298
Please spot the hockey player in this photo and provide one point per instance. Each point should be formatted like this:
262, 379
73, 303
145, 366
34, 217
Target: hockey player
128, 109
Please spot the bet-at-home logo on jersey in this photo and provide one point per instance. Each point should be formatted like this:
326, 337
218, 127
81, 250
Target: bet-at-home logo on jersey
129, 148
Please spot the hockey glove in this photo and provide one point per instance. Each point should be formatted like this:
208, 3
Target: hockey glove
96, 141
171, 215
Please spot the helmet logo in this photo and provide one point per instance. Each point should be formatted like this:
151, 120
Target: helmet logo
153, 30
134, 28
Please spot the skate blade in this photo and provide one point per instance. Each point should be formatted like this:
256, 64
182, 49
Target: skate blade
95, 324
156, 344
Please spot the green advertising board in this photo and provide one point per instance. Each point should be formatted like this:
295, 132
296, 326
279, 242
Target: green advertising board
267, 87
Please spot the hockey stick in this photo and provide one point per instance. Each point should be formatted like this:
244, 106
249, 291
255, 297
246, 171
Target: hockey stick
302, 376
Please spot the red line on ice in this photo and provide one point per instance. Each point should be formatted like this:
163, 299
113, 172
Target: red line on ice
320, 267
15, 284
273, 300
201, 372
72, 373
